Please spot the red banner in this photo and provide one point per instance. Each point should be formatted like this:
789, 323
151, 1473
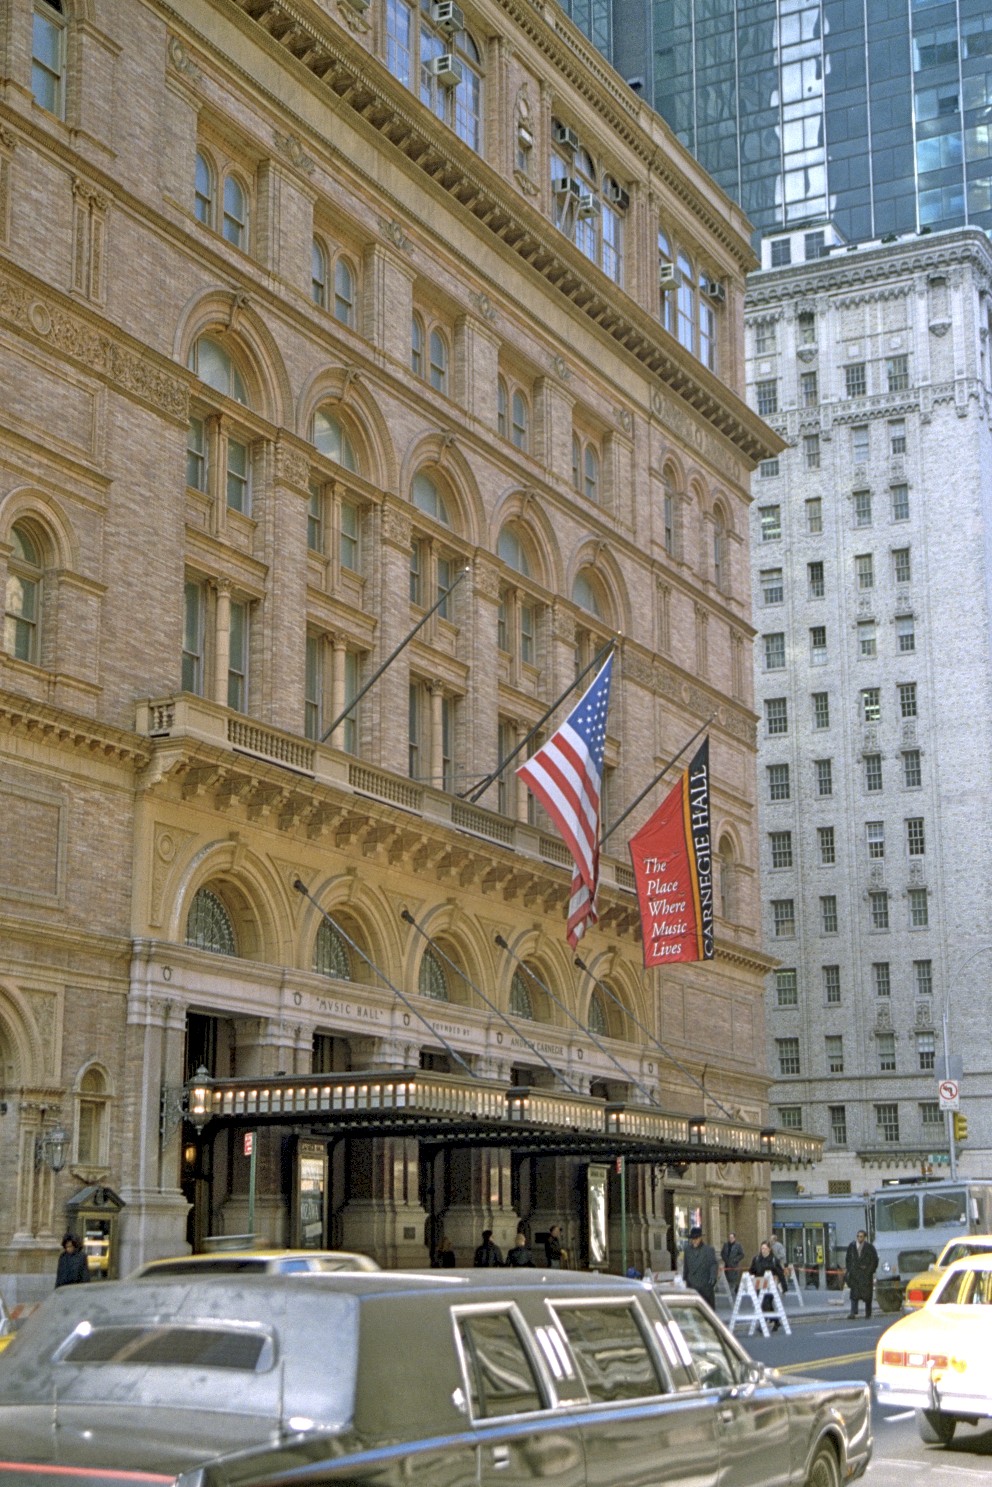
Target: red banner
673, 871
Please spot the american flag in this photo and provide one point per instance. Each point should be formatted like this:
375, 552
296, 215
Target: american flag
566, 775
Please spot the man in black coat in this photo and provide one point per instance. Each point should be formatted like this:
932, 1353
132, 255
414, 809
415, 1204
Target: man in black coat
861, 1262
73, 1267
488, 1254
732, 1255
700, 1267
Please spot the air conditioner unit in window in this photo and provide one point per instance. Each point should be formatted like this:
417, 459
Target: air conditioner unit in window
566, 187
447, 16
616, 194
566, 137
669, 276
588, 205
714, 290
448, 70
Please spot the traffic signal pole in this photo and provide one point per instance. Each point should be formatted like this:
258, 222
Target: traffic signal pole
949, 1114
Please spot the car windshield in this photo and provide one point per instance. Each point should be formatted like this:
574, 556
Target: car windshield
961, 1249
896, 1215
942, 1209
966, 1288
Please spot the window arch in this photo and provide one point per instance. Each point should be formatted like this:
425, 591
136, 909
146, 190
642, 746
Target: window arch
433, 981
234, 227
214, 365
728, 879
22, 605
670, 511
596, 1017
686, 302
511, 550
438, 362
520, 1001
209, 925
519, 421
344, 292
721, 553
91, 1123
589, 206
318, 274
502, 407
584, 594
331, 439
417, 345
48, 56
204, 188
585, 467
331, 953
428, 497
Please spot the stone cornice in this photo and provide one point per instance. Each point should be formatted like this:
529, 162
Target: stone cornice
54, 725
882, 272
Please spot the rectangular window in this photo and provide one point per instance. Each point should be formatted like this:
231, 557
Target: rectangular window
790, 1117
828, 913
834, 1048
781, 252
787, 1051
767, 396
919, 908
907, 699
418, 555
878, 907
855, 382
915, 837
871, 704
864, 571
806, 326
528, 630
897, 436
808, 389
886, 1052
881, 979
784, 918
811, 451
814, 245
778, 782
818, 644
786, 988
48, 59
912, 769
827, 846
447, 779
771, 586
768, 469
860, 443
775, 651
415, 726
193, 627
771, 523
824, 776
237, 660
315, 519
776, 715
873, 773
905, 634
764, 338
196, 454
867, 640
814, 515
900, 503
781, 846
821, 710
923, 972
814, 575
862, 508
837, 1115
887, 1121
445, 580
875, 833
238, 476
313, 687
897, 373
902, 570
831, 985
926, 1051
931, 1113
348, 536
352, 664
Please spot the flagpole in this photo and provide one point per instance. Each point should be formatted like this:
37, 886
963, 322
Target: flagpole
442, 598
478, 790
659, 776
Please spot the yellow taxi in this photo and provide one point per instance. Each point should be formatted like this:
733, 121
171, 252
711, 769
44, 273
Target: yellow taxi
257, 1261
920, 1287
938, 1359
6, 1327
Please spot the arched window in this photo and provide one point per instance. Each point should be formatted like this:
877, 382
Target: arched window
331, 439
728, 880
48, 57
427, 498
203, 195
719, 552
432, 981
520, 1002
214, 365
208, 924
344, 292
91, 1120
520, 425
235, 225
597, 1017
511, 551
502, 408
686, 324
670, 513
584, 595
22, 606
439, 362
417, 346
318, 274
577, 462
590, 474
331, 955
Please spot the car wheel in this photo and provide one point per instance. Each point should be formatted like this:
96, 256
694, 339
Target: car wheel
823, 1472
889, 1299
936, 1429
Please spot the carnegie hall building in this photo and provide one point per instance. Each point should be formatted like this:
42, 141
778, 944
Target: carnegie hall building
320, 320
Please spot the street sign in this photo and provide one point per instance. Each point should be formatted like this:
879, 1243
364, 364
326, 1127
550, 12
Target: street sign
949, 1094
250, 1141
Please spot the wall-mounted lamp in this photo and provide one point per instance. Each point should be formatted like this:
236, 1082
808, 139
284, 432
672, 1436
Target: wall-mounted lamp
697, 1130
768, 1141
189, 1101
49, 1149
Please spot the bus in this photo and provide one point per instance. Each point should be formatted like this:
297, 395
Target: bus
912, 1221
816, 1233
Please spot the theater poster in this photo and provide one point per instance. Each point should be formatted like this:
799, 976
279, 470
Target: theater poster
673, 868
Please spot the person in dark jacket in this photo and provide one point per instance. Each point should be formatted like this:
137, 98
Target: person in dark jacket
488, 1254
446, 1257
699, 1266
552, 1248
732, 1255
73, 1268
520, 1254
765, 1263
861, 1262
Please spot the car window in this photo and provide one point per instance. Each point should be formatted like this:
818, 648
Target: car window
716, 1365
501, 1376
966, 1288
170, 1347
611, 1351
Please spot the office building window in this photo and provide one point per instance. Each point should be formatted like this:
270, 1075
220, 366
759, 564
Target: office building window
828, 913
767, 396
862, 508
194, 605
771, 586
860, 444
919, 908
814, 515
790, 1117
915, 837
878, 907
775, 651
864, 571
765, 338
781, 845
907, 699
821, 710
776, 715
873, 773
912, 769
886, 1052
897, 373
897, 436
887, 1121
881, 980
778, 782
771, 523
855, 382
784, 918
237, 665
806, 328
837, 1115
811, 451
926, 1051
48, 57
814, 245
902, 568
875, 834
867, 640
818, 644
834, 1048
931, 1113
787, 1051
905, 634
831, 985
786, 988
768, 469
824, 769
781, 252
827, 845
871, 704
923, 973
808, 389
900, 503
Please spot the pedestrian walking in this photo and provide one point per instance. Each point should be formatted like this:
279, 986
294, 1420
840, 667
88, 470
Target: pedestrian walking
552, 1248
73, 1267
860, 1265
732, 1255
700, 1267
487, 1254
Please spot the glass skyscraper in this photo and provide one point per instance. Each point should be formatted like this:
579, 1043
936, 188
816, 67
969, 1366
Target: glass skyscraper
876, 114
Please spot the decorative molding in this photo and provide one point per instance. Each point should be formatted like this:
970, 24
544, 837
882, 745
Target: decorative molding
181, 60
292, 465
560, 368
292, 147
625, 419
396, 527
484, 305
353, 19
939, 328
393, 233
